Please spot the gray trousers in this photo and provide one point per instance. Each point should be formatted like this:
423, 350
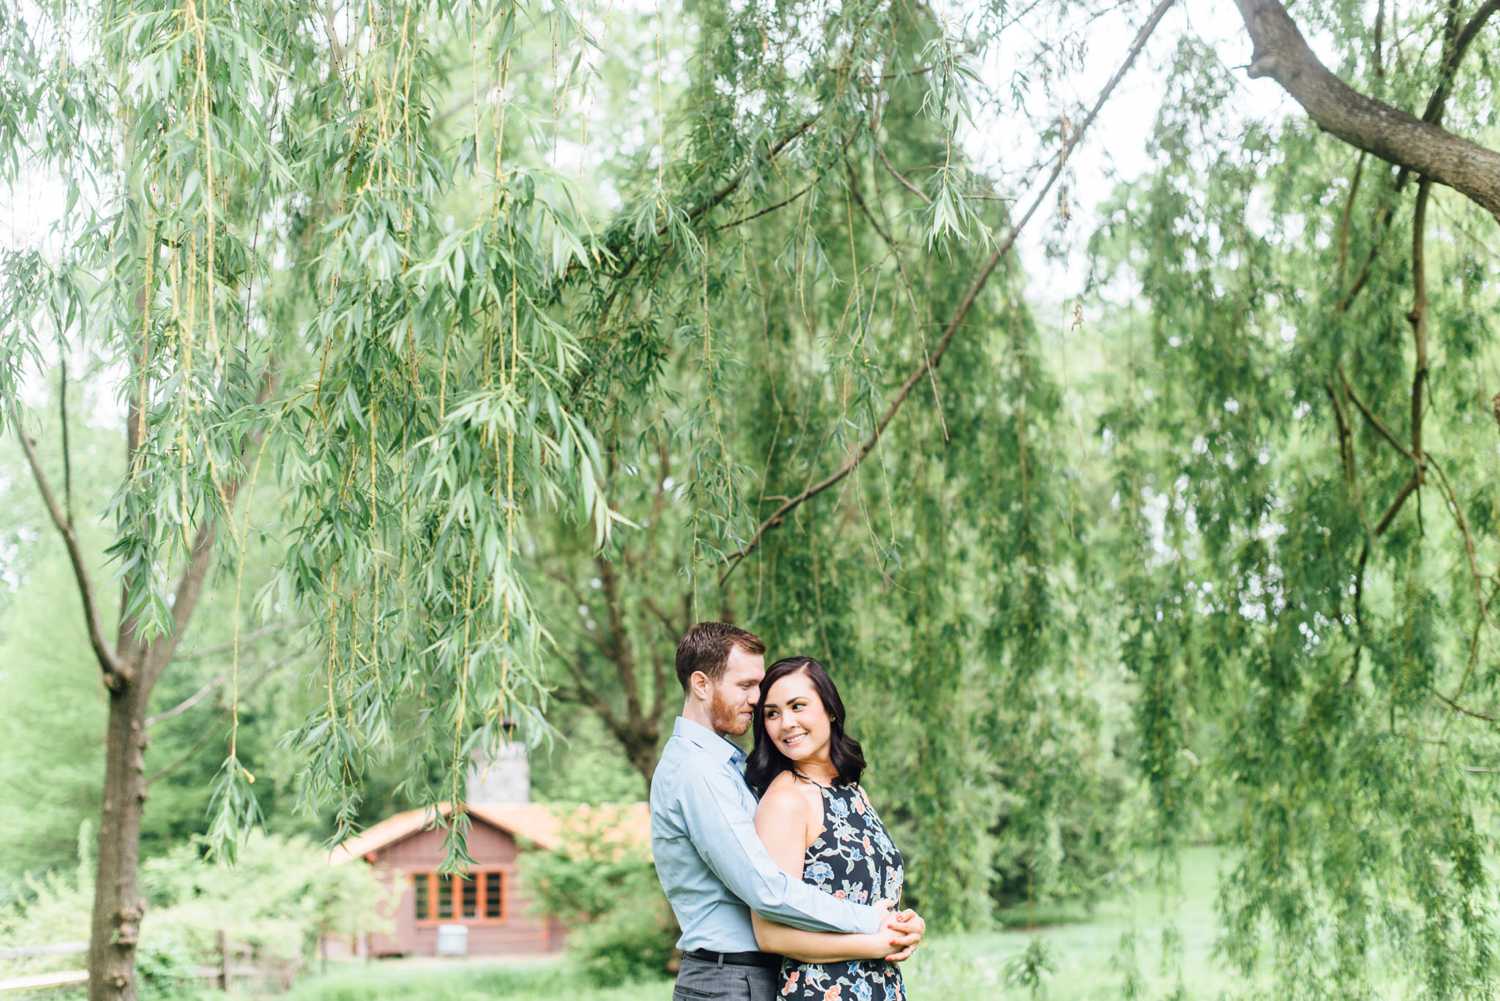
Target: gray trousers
698, 980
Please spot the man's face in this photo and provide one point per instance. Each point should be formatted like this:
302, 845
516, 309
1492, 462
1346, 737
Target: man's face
732, 700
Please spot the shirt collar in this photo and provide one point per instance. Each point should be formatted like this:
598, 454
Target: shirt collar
717, 745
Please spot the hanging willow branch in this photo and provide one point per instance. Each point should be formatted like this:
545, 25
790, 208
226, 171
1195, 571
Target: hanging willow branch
981, 277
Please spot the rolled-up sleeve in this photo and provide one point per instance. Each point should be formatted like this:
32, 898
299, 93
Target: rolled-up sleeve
723, 833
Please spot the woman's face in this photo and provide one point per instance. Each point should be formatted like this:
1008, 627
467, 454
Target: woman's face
796, 721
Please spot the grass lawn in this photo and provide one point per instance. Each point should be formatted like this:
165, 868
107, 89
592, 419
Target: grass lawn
1084, 957
1089, 957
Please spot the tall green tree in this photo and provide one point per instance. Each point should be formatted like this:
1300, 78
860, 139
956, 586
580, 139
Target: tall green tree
1302, 459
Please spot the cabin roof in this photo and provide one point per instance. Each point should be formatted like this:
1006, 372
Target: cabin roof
543, 824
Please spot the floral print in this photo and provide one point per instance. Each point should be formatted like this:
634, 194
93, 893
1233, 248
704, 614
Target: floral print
853, 859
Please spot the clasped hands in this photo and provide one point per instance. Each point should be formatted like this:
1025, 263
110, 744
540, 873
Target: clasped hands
902, 931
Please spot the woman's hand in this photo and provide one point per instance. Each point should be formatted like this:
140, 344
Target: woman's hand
909, 929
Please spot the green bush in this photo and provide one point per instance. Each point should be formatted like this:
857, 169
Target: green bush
609, 892
633, 941
279, 898
273, 906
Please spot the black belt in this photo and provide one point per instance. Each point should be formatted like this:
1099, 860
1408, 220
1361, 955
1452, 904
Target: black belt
765, 959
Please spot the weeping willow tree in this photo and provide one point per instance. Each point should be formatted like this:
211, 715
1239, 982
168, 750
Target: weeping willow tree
559, 327
1306, 458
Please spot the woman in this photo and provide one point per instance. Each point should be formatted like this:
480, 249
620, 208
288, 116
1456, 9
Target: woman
818, 825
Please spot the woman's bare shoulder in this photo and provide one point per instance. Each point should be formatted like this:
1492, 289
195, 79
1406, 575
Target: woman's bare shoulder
788, 796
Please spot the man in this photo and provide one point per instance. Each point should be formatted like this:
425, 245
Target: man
712, 865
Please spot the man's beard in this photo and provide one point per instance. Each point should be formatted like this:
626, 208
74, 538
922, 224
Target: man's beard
724, 718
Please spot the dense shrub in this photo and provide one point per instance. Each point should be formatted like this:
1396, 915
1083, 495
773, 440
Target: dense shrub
278, 900
274, 905
609, 892
635, 940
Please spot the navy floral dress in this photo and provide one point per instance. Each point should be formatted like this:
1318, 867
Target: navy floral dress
854, 859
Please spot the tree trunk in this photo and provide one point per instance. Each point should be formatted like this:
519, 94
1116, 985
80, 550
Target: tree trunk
118, 904
640, 750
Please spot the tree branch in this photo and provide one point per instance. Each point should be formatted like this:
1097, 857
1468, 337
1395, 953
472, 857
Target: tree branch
209, 687
705, 206
1281, 53
588, 696
1453, 56
1374, 421
116, 673
673, 630
582, 379
1359, 605
1481, 604
865, 209
906, 284
1390, 513
767, 210
1474, 713
335, 47
619, 645
250, 637
900, 177
932, 360
62, 418
1359, 169
1418, 317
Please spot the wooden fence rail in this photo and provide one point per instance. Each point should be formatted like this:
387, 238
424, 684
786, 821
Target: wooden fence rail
221, 972
55, 949
45, 981
78, 978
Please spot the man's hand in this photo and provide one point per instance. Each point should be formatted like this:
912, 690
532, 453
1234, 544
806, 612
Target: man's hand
908, 928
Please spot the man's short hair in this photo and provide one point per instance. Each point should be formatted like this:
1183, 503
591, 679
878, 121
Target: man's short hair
705, 647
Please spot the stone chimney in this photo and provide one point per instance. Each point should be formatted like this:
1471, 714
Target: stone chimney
501, 777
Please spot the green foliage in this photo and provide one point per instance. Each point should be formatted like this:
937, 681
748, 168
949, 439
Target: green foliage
47, 909
1297, 636
588, 875
628, 944
277, 902
51, 761
1031, 969
623, 929
279, 898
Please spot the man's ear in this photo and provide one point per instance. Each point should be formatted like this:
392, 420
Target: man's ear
700, 686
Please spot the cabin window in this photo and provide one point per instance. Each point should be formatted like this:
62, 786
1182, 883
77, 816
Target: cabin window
423, 897
475, 898
470, 897
492, 896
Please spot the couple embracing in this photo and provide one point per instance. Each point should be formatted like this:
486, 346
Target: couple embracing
781, 875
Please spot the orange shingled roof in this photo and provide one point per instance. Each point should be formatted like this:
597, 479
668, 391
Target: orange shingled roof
543, 824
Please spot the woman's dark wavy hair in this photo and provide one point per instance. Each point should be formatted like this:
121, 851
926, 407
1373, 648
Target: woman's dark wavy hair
766, 762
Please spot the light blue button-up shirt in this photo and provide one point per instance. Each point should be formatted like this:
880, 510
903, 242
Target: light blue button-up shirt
711, 862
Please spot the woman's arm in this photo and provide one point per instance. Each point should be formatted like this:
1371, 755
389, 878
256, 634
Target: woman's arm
782, 823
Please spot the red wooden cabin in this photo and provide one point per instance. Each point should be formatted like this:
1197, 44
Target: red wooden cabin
491, 901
